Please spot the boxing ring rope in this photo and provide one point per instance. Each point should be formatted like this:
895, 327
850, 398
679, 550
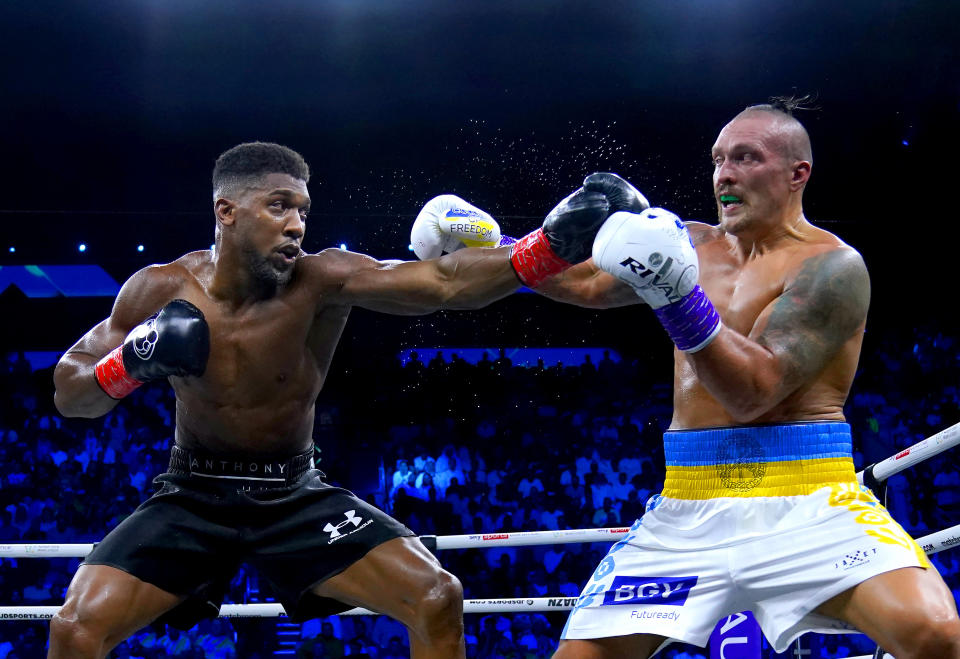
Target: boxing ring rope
880, 471
267, 610
922, 450
933, 543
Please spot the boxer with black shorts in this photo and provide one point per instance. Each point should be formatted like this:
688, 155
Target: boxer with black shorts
245, 333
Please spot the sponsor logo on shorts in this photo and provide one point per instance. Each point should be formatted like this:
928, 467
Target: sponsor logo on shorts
352, 518
671, 591
855, 558
495, 536
655, 615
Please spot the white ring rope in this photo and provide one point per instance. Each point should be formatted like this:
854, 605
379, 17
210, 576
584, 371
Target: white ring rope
908, 457
509, 605
931, 544
922, 450
518, 539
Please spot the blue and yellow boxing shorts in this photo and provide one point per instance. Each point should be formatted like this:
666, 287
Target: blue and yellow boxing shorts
769, 519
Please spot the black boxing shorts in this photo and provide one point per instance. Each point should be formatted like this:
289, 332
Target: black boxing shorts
211, 513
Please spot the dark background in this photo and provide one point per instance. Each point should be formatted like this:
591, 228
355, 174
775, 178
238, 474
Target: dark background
113, 113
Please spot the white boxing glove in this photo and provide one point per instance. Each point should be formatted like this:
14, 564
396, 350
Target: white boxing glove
448, 223
651, 251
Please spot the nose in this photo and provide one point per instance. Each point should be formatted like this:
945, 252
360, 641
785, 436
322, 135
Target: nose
724, 174
294, 226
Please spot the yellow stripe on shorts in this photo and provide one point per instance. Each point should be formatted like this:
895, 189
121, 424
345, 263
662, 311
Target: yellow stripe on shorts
785, 478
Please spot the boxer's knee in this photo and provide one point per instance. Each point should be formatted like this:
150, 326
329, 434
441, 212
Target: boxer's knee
935, 637
439, 610
76, 631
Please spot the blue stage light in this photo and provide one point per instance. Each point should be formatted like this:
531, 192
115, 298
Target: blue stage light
139, 248
343, 245
82, 247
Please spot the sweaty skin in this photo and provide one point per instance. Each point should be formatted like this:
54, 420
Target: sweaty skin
801, 300
275, 316
804, 301
269, 356
793, 300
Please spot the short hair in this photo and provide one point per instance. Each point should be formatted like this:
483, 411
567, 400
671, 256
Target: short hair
796, 142
243, 165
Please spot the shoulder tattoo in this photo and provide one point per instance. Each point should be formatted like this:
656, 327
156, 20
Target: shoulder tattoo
818, 312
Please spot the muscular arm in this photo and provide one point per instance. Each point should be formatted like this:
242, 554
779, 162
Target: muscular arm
467, 279
77, 392
793, 340
586, 285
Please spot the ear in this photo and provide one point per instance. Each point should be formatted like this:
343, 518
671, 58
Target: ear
800, 174
225, 210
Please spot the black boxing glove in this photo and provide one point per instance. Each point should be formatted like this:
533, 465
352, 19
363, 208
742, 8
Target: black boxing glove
564, 239
621, 195
173, 341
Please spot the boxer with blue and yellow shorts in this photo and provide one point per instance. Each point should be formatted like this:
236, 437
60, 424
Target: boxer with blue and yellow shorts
763, 518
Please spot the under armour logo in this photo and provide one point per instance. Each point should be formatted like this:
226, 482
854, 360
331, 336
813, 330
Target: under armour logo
334, 531
145, 340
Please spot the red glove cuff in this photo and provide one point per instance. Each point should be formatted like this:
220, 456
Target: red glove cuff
534, 261
112, 375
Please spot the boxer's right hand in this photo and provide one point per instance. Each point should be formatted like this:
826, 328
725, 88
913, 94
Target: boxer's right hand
448, 223
173, 342
618, 191
651, 251
569, 229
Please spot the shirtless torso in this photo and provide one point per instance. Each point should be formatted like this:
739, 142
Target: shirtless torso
274, 316
754, 294
792, 299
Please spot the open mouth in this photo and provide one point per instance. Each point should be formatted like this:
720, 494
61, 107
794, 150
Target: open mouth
730, 201
289, 253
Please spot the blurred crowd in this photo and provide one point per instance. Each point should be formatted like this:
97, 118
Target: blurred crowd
448, 447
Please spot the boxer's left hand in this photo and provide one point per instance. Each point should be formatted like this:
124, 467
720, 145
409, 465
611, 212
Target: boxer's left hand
448, 223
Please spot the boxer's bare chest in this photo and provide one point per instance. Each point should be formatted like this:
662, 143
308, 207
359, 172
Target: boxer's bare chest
741, 289
261, 349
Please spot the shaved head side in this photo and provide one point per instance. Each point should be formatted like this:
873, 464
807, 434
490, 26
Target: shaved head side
794, 140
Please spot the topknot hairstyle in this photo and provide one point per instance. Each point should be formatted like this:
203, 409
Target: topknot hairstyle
788, 105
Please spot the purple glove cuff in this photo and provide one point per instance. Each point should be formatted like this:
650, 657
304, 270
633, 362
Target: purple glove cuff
692, 323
